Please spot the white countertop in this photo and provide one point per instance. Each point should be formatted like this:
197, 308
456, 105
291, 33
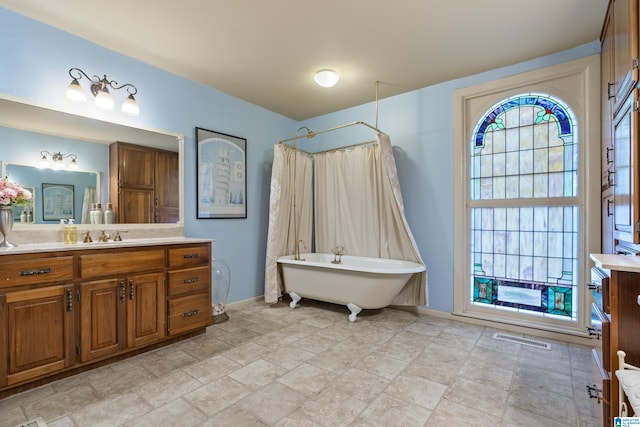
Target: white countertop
628, 263
54, 247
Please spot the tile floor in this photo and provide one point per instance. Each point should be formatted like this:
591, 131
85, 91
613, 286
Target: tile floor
273, 366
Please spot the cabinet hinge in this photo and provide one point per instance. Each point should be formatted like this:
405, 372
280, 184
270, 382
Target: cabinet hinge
636, 105
635, 62
638, 226
78, 295
78, 349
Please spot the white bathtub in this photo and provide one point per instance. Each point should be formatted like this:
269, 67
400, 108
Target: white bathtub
357, 282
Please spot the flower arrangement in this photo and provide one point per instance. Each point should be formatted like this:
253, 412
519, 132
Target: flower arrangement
12, 194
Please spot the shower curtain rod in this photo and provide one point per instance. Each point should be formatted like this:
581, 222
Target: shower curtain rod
311, 134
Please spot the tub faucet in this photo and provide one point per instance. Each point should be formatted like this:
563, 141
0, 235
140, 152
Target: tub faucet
338, 251
297, 257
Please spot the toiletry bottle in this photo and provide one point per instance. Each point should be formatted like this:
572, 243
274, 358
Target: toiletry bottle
29, 216
70, 233
23, 216
108, 214
99, 215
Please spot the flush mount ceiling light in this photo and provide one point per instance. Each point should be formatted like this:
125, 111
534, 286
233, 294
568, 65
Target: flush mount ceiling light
57, 160
100, 89
326, 78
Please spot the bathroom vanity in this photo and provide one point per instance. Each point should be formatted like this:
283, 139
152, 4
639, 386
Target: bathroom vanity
68, 308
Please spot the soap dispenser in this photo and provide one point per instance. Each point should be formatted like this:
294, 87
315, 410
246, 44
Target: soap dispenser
70, 233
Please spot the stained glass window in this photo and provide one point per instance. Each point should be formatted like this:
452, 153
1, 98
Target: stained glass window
524, 155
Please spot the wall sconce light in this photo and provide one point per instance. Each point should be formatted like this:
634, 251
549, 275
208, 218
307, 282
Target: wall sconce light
326, 78
100, 89
57, 160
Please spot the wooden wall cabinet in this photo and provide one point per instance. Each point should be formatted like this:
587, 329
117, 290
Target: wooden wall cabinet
143, 184
61, 311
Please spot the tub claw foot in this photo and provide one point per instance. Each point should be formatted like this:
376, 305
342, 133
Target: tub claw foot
354, 311
295, 298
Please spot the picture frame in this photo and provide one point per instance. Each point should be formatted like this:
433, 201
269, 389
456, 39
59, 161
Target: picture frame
221, 184
57, 202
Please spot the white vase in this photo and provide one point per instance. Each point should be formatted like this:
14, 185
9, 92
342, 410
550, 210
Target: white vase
6, 225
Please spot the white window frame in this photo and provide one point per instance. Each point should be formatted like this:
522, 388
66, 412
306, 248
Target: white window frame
577, 83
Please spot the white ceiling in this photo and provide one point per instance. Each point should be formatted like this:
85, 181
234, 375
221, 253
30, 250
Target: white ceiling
266, 51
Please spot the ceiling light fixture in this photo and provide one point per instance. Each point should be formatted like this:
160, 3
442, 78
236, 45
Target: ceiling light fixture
100, 89
326, 78
57, 160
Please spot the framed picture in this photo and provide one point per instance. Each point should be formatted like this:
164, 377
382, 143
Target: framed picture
221, 175
57, 202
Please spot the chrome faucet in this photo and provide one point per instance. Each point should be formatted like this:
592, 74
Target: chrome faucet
297, 256
338, 251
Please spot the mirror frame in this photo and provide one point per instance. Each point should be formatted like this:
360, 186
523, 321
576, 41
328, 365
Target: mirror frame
50, 121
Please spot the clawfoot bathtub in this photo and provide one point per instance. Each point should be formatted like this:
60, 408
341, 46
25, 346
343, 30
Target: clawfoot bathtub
357, 282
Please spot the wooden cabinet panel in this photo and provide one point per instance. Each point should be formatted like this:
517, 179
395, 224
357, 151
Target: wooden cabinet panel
135, 165
145, 309
625, 48
189, 280
189, 256
38, 270
134, 206
39, 332
189, 312
627, 179
606, 96
120, 262
102, 319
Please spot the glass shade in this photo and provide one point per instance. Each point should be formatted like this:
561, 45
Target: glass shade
221, 281
104, 100
326, 78
130, 106
75, 93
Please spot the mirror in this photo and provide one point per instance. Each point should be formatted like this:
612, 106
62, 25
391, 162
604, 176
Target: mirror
27, 129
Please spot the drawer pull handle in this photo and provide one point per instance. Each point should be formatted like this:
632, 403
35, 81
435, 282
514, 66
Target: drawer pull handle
594, 392
69, 293
34, 272
190, 313
593, 332
190, 256
192, 280
594, 287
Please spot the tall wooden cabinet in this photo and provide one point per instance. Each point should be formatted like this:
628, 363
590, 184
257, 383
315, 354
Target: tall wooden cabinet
61, 311
143, 184
619, 109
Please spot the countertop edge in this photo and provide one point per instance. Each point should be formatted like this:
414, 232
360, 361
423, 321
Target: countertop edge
626, 263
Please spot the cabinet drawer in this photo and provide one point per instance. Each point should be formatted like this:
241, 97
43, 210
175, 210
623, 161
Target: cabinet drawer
599, 390
37, 270
188, 257
600, 288
189, 280
601, 328
96, 265
189, 312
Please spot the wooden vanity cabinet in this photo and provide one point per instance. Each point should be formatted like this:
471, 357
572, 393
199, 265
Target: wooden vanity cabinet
61, 312
37, 323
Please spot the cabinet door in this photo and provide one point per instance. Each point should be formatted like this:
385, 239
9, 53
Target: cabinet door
136, 166
625, 23
39, 332
135, 206
145, 309
606, 97
167, 191
102, 318
626, 197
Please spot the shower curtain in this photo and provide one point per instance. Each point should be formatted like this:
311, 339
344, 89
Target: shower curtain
358, 205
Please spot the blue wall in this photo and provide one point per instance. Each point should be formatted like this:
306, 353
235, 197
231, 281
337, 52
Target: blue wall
420, 124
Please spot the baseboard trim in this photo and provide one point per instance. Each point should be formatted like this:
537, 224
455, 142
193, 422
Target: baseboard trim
526, 330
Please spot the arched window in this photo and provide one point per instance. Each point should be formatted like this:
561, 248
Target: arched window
524, 212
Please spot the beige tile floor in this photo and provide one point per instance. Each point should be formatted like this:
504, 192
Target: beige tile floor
274, 366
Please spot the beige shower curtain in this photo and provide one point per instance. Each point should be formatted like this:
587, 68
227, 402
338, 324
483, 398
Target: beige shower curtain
358, 205
291, 184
